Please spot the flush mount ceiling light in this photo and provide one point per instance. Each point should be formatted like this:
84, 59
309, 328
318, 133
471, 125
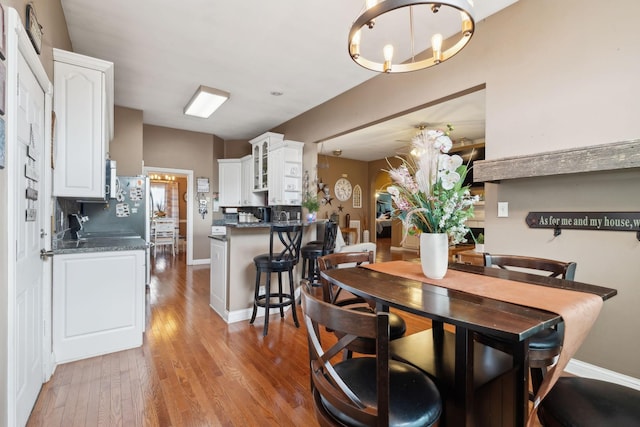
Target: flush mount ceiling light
381, 29
205, 101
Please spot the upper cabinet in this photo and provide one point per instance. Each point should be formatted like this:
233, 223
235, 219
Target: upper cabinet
230, 181
83, 105
260, 152
249, 197
285, 173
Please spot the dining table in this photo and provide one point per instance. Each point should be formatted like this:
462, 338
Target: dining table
510, 305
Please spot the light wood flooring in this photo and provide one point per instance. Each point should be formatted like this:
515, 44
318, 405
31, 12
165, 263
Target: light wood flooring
193, 369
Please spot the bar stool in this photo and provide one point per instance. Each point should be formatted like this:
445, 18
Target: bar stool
314, 250
283, 259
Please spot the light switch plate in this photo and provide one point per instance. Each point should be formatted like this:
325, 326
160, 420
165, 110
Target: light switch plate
503, 209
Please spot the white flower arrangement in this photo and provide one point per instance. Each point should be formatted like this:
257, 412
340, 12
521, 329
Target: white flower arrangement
428, 193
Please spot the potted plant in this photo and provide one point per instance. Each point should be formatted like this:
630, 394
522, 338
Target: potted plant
310, 202
479, 242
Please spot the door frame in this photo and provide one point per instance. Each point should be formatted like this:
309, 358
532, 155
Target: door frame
18, 43
146, 170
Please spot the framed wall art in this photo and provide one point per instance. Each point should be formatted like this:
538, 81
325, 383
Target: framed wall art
3, 85
3, 37
34, 29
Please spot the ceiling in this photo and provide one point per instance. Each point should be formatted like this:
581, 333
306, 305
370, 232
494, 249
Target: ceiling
386, 139
163, 50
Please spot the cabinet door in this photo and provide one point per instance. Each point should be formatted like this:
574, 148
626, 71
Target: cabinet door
80, 143
218, 278
98, 303
249, 197
276, 178
285, 174
230, 176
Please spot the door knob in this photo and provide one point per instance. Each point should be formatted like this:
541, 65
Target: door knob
44, 254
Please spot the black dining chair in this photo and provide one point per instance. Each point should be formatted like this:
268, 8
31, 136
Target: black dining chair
586, 402
314, 250
283, 256
332, 295
545, 346
362, 391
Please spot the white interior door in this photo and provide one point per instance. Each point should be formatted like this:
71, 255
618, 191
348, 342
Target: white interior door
30, 206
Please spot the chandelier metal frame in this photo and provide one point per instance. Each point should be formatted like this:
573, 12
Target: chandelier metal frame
367, 20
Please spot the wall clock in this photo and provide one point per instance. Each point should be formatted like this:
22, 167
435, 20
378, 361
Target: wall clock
342, 189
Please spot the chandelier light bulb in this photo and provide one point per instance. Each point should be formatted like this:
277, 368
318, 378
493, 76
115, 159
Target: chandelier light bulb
467, 25
388, 55
436, 46
355, 45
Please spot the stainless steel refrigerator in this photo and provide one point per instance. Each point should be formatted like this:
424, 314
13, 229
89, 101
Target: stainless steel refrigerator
129, 214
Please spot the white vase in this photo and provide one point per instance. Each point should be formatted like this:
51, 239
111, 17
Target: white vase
434, 254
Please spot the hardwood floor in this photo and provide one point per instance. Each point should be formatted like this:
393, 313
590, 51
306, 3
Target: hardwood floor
193, 369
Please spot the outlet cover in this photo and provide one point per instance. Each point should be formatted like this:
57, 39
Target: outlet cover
503, 209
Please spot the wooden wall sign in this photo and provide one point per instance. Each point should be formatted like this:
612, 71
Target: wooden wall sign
609, 221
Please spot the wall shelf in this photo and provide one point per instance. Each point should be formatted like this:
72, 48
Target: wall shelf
595, 158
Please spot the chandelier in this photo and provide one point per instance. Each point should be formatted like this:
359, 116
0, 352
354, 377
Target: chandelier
381, 29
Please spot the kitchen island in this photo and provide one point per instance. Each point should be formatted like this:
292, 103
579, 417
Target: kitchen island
98, 296
233, 273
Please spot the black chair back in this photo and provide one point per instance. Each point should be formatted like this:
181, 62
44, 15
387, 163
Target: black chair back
563, 270
330, 233
287, 252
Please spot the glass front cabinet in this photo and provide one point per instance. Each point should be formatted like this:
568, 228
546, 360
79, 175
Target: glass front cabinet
260, 164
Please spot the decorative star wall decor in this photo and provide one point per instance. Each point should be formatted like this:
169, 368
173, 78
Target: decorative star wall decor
340, 208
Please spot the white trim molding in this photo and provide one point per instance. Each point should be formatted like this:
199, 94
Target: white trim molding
587, 370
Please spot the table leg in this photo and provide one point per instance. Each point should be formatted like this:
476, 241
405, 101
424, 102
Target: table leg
464, 373
521, 362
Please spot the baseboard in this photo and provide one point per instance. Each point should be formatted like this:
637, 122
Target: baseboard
587, 370
402, 249
201, 261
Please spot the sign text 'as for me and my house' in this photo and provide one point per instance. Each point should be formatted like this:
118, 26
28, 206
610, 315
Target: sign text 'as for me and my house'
612, 221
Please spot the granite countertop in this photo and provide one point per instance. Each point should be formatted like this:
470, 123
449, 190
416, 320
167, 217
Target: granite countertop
99, 244
265, 224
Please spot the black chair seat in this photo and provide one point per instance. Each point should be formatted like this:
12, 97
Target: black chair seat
585, 402
545, 339
414, 399
263, 261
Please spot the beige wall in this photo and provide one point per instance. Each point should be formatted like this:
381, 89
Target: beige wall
54, 27
357, 174
236, 149
557, 75
126, 146
178, 149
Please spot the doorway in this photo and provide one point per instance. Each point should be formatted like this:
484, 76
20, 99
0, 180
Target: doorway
173, 199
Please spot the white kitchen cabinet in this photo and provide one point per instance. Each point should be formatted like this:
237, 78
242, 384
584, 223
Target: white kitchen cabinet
98, 303
249, 197
230, 181
260, 152
83, 104
285, 173
218, 278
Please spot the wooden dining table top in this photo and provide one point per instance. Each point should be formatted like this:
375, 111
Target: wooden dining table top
485, 315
